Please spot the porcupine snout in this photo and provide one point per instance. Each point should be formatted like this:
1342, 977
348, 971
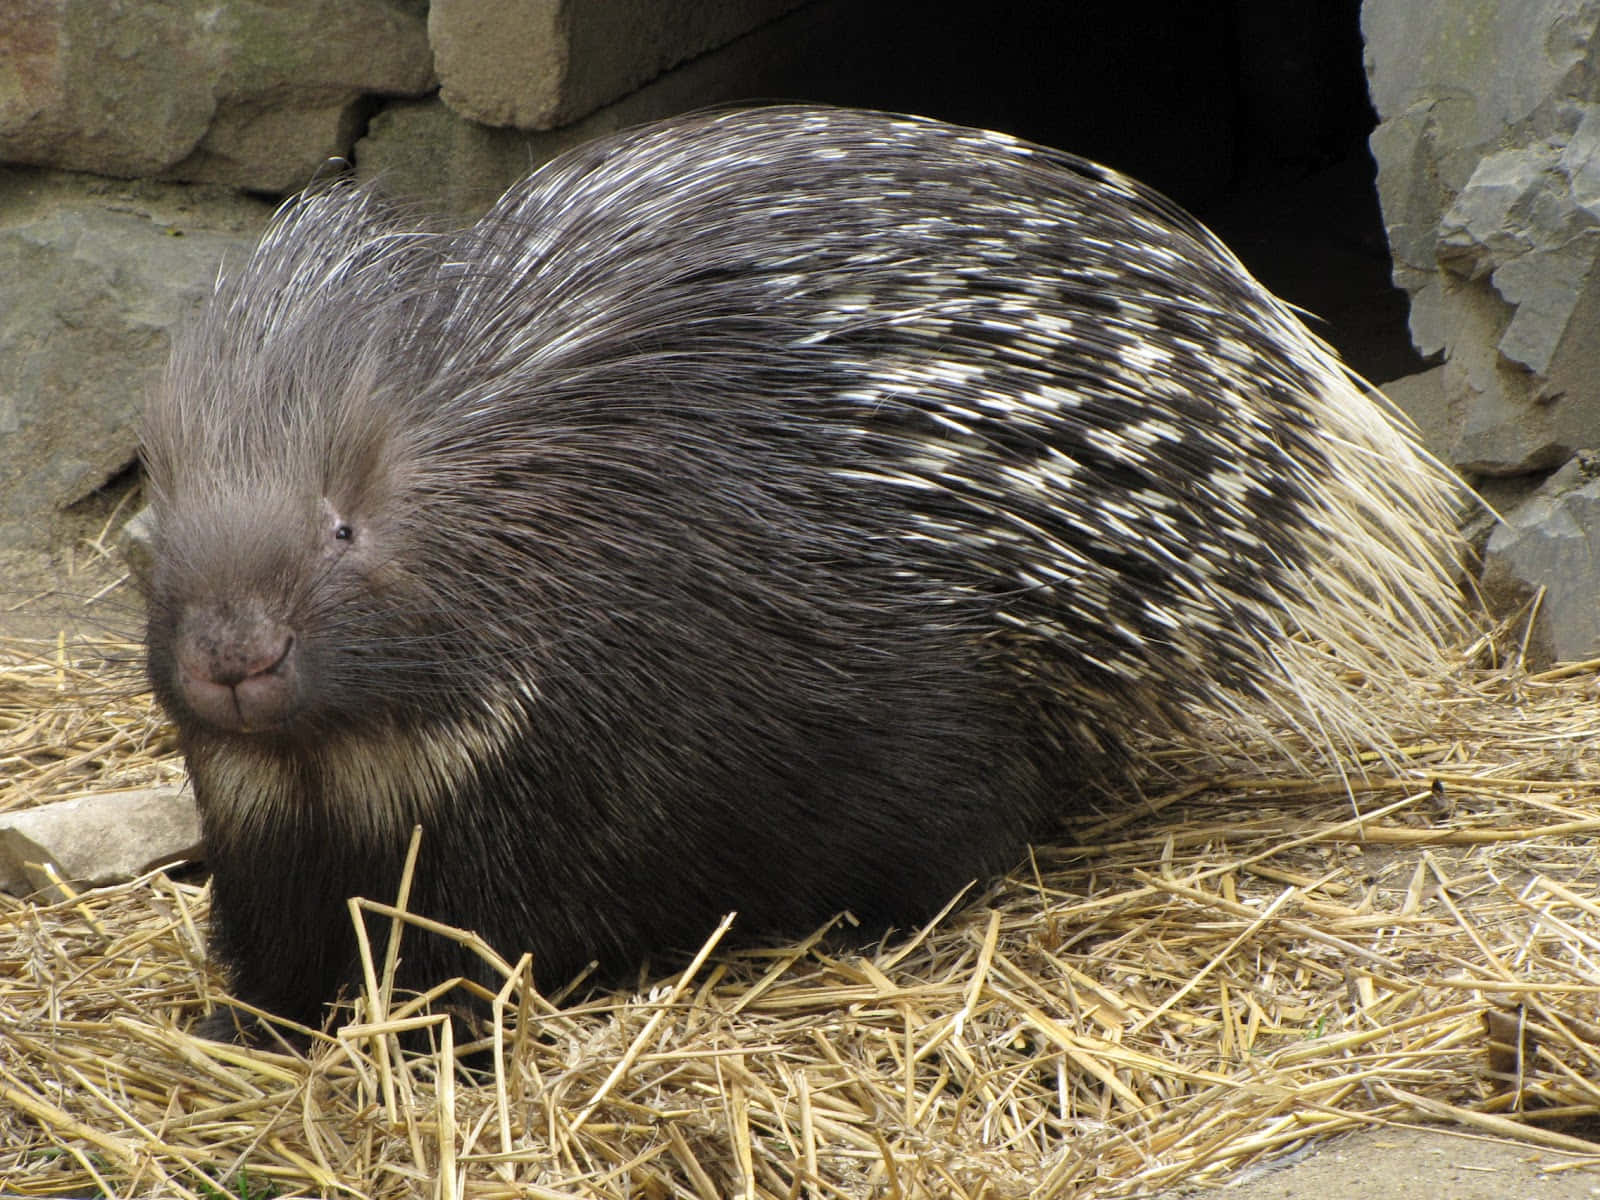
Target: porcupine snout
236, 667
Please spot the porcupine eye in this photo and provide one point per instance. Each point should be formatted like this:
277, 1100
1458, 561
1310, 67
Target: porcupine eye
342, 532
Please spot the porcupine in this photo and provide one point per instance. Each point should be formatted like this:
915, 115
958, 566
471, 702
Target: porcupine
778, 511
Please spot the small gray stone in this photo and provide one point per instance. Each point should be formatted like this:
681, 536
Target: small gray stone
1552, 541
98, 839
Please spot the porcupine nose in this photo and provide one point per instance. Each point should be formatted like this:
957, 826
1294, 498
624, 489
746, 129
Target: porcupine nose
236, 673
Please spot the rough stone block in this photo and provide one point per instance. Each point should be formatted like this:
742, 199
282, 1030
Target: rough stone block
1421, 397
1552, 541
248, 93
93, 277
539, 64
1489, 177
428, 153
72, 96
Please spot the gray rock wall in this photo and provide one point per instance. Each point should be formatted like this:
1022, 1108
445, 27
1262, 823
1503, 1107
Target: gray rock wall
1488, 153
1489, 174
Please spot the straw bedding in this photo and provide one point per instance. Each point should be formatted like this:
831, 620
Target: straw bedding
1216, 971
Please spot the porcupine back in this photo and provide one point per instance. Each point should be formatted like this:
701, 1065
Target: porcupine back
779, 511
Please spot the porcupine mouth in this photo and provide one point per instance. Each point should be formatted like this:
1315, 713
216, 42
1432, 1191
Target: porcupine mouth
239, 692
